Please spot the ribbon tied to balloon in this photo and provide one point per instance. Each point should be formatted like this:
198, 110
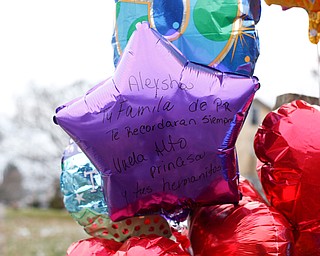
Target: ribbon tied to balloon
313, 9
161, 130
216, 33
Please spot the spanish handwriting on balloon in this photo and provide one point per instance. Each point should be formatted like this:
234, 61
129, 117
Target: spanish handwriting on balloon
216, 33
125, 110
162, 130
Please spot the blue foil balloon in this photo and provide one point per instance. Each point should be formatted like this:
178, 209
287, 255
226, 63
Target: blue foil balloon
83, 198
81, 182
218, 33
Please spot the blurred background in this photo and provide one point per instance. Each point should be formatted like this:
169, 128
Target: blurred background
54, 51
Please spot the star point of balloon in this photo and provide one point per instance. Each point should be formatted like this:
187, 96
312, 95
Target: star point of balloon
313, 9
161, 130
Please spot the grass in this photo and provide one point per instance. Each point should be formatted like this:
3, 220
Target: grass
34, 232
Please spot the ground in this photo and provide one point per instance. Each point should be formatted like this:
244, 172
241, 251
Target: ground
34, 232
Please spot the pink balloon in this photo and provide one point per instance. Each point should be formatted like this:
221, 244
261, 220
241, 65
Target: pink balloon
161, 130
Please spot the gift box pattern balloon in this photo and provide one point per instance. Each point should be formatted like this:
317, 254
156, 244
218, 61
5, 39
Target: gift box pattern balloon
216, 33
162, 130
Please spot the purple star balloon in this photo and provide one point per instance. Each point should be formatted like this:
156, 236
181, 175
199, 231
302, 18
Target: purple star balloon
161, 130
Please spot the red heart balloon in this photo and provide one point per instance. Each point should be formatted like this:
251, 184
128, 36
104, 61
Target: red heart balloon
94, 246
308, 240
288, 144
250, 228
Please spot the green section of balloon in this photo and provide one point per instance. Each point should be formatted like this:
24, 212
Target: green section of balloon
132, 28
214, 19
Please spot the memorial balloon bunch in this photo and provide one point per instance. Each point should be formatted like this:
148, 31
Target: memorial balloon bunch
154, 145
